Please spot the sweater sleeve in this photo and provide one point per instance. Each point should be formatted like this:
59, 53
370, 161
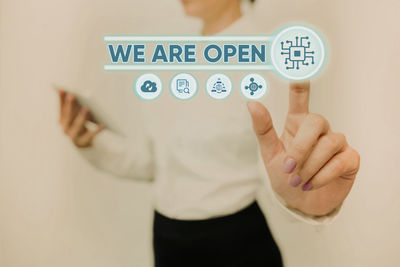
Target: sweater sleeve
294, 214
121, 156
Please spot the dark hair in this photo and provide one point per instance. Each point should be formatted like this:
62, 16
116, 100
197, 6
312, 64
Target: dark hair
252, 1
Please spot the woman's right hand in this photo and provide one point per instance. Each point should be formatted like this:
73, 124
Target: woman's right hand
73, 118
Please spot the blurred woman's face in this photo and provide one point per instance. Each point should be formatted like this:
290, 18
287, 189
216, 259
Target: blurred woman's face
204, 8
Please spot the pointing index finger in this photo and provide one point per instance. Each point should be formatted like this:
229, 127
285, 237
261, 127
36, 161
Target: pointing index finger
299, 97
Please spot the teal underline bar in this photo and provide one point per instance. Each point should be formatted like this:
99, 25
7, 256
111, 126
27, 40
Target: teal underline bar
184, 38
114, 67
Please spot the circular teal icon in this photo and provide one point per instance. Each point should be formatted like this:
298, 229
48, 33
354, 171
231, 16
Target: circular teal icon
183, 86
253, 86
219, 86
148, 86
297, 53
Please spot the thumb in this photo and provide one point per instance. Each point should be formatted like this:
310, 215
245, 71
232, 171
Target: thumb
268, 140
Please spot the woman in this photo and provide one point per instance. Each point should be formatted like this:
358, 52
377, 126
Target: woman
204, 158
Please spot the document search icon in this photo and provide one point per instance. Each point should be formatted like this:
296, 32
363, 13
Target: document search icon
182, 86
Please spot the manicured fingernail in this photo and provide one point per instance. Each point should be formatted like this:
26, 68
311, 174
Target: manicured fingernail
295, 180
289, 165
306, 187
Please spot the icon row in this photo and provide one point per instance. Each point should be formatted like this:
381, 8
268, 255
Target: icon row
184, 86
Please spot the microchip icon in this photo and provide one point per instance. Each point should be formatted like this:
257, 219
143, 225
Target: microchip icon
297, 53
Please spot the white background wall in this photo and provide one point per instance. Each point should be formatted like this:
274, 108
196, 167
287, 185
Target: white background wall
56, 210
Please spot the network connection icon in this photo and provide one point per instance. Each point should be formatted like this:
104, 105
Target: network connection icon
297, 53
253, 86
219, 86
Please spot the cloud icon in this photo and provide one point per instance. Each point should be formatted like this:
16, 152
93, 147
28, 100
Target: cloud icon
149, 87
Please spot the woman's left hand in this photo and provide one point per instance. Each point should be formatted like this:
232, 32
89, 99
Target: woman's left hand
311, 167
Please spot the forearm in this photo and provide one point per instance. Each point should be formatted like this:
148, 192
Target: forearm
120, 156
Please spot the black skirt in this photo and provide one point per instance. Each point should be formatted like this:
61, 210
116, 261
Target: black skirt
240, 239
